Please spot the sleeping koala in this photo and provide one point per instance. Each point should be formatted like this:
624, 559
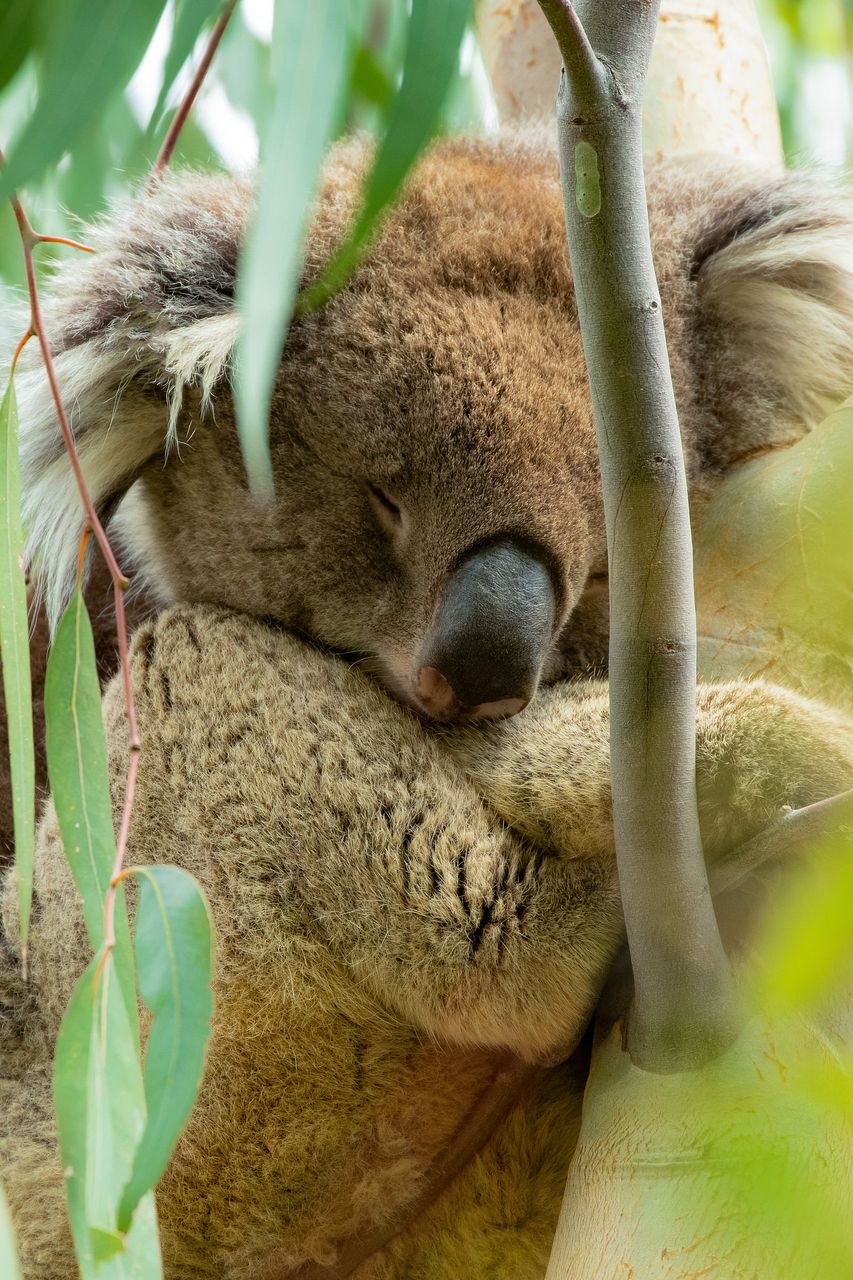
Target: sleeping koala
404, 918
437, 512
404, 913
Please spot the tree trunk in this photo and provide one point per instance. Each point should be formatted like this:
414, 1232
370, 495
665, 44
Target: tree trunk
708, 89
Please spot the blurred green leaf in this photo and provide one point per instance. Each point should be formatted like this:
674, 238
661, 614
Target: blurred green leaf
10, 1268
191, 17
100, 1112
15, 649
89, 52
774, 567
17, 33
77, 768
174, 964
369, 79
243, 69
434, 38
804, 956
311, 55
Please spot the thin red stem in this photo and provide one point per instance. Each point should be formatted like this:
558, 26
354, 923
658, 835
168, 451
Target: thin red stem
29, 239
18, 349
72, 244
186, 105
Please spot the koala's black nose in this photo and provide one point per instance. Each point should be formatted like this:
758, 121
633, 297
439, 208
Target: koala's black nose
482, 658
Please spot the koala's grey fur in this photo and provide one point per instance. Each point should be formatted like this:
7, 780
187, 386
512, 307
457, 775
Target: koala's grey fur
396, 908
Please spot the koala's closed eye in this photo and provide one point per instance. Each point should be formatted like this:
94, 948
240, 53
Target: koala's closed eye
388, 512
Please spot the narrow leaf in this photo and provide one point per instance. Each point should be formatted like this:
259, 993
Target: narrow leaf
311, 57
16, 38
191, 17
100, 1112
434, 38
10, 1268
15, 649
77, 768
89, 52
174, 963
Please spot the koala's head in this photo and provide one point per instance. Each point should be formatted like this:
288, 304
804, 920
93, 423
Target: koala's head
437, 511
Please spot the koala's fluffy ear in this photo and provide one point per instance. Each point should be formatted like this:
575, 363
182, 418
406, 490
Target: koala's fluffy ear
774, 274
149, 314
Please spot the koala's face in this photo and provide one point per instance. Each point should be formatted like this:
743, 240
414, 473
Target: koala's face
436, 498
437, 503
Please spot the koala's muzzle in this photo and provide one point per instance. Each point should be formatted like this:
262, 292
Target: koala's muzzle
482, 658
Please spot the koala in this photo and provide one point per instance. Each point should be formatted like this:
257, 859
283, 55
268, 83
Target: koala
415, 897
437, 512
410, 923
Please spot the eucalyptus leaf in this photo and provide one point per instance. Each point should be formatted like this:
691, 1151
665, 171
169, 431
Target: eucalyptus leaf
89, 51
17, 35
100, 1113
174, 964
434, 38
804, 954
77, 768
10, 1268
15, 649
191, 17
312, 52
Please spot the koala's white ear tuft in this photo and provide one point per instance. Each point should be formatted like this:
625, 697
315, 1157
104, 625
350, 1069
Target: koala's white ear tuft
149, 314
776, 294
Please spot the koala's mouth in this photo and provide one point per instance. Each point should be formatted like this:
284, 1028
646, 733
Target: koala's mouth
432, 699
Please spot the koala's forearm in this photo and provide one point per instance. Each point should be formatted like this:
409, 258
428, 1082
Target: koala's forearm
760, 749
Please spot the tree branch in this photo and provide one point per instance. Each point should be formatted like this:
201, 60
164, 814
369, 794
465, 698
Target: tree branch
579, 58
186, 105
683, 1011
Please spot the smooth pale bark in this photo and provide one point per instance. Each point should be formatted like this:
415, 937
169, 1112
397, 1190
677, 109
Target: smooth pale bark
708, 89
729, 1172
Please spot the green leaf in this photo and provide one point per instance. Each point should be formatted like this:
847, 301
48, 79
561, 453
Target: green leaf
191, 17
15, 649
10, 1268
370, 80
77, 768
100, 1113
774, 568
89, 52
430, 67
17, 32
804, 954
311, 57
174, 963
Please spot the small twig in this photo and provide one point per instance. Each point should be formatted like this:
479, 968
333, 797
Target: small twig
578, 55
793, 835
186, 104
29, 239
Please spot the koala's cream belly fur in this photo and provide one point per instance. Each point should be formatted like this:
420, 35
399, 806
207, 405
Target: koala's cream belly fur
384, 939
